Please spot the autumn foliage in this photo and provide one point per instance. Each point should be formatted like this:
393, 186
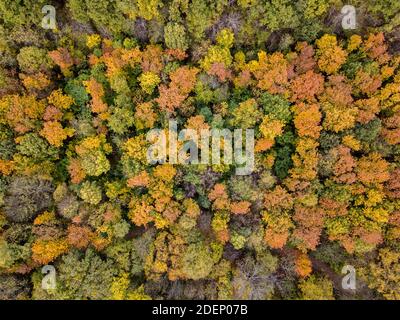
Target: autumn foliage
78, 191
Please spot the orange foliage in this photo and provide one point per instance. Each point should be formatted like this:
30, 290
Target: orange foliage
243, 79
278, 198
140, 211
22, 111
309, 224
333, 208
177, 54
304, 61
391, 130
171, 212
367, 109
219, 70
271, 71
307, 86
62, 58
6, 166
367, 83
219, 191
343, 168
140, 180
276, 240
219, 197
55, 133
197, 123
241, 207
393, 184
45, 251
145, 117
97, 92
303, 265
38, 81
183, 80
376, 48
52, 114
307, 119
151, 59
76, 171
338, 91
372, 169
79, 237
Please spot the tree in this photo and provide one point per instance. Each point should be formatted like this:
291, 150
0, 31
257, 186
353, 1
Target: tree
60, 100
314, 288
26, 197
196, 261
55, 133
307, 86
90, 192
175, 36
13, 287
220, 52
85, 276
246, 114
45, 251
22, 112
182, 83
32, 59
372, 169
303, 265
309, 224
95, 89
383, 273
32, 145
252, 278
63, 59
145, 117
307, 119
148, 81
330, 55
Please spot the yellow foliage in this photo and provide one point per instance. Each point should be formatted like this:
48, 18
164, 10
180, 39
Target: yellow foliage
136, 148
145, 117
44, 218
339, 118
225, 38
59, 100
6, 166
165, 172
354, 43
330, 56
270, 129
351, 142
138, 294
379, 215
55, 134
148, 81
38, 81
120, 286
93, 40
45, 251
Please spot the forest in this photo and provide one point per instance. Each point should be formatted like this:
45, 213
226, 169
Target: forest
84, 215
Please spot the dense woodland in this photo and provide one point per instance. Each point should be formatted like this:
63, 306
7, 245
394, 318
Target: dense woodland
76, 189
